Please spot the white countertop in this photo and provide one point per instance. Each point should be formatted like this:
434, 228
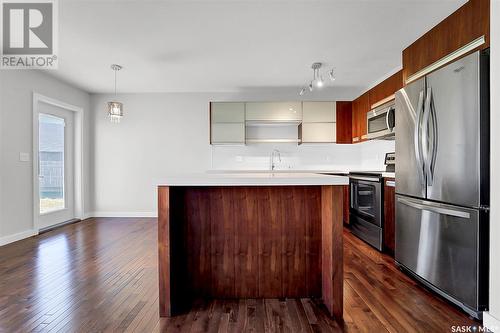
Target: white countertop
288, 171
253, 179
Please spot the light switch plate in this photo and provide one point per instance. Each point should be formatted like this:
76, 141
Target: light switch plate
24, 157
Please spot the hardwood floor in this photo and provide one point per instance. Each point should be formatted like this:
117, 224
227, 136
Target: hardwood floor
101, 276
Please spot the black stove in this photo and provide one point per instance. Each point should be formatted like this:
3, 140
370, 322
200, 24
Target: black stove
366, 207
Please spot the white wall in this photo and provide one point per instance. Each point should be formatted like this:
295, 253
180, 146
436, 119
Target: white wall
161, 134
492, 319
16, 178
166, 134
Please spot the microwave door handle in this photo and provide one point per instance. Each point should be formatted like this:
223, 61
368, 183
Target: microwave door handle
387, 119
392, 119
416, 138
390, 126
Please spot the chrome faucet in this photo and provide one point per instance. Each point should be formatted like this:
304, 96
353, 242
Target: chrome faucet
274, 153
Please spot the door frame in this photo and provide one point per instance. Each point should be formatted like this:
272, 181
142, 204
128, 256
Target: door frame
77, 151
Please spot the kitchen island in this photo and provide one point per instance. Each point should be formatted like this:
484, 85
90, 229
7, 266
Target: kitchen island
250, 236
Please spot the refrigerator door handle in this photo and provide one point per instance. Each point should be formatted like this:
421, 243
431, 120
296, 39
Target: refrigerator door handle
435, 209
426, 141
434, 139
417, 139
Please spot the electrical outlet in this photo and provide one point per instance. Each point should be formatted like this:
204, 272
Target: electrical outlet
24, 157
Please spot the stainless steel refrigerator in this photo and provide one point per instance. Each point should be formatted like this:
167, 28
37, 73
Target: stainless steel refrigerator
442, 181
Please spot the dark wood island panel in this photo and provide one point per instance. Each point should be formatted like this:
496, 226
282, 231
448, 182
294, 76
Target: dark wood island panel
249, 242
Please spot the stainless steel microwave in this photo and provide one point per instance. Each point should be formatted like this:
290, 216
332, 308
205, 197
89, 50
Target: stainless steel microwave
382, 121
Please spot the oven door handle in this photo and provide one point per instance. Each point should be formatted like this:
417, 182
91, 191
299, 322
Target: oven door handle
368, 179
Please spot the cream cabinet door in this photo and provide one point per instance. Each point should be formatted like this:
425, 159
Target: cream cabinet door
227, 112
274, 111
319, 132
227, 133
319, 112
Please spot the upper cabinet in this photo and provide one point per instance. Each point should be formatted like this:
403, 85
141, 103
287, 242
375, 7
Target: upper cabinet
386, 89
360, 107
319, 133
461, 31
344, 122
274, 111
227, 125
319, 112
227, 112
355, 121
277, 122
319, 122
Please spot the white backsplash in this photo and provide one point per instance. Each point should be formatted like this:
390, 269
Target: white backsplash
336, 157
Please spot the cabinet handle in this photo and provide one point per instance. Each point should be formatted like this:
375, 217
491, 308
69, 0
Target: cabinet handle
355, 139
390, 183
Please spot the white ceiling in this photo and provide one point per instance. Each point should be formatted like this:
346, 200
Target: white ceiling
210, 46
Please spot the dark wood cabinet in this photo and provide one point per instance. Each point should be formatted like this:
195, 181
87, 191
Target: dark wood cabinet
389, 215
233, 242
344, 122
355, 121
364, 107
360, 106
386, 88
466, 24
347, 202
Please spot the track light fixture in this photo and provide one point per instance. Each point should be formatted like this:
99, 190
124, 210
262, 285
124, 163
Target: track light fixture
317, 80
331, 74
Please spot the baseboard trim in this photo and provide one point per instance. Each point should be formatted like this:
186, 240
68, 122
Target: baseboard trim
17, 237
125, 214
55, 226
87, 216
492, 323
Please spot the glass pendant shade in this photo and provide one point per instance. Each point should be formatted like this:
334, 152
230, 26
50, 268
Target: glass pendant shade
115, 111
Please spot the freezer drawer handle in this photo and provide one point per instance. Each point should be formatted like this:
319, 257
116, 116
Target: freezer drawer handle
439, 210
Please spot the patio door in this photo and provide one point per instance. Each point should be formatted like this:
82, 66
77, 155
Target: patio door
56, 192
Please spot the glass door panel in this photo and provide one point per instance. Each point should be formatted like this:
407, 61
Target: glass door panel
365, 200
51, 163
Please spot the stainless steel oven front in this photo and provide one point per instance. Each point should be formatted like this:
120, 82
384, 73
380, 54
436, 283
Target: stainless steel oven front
366, 218
381, 121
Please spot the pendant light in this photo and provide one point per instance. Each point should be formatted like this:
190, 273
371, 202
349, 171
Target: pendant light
115, 109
